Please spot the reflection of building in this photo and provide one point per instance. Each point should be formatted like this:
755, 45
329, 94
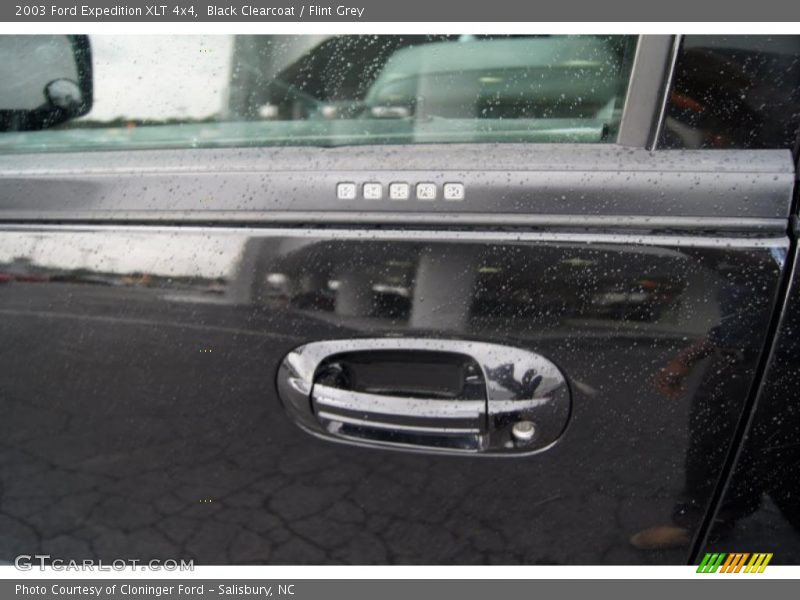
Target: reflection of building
412, 280
459, 286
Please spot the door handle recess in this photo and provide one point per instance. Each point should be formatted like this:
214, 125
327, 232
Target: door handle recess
426, 395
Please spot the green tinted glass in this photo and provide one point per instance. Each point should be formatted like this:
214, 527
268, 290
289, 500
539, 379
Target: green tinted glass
191, 91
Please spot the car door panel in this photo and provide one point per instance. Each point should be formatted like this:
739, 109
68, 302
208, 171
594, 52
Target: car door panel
149, 297
759, 505
143, 417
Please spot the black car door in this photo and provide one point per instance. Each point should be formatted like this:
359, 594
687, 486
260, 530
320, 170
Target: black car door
430, 348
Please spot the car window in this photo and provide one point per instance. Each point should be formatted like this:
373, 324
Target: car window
193, 91
734, 92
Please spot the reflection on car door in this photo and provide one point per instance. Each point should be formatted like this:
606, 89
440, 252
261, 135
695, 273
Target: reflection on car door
143, 342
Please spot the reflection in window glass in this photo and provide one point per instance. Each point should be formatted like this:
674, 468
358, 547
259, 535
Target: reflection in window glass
185, 91
734, 92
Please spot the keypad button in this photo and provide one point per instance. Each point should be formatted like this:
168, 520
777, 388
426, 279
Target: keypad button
399, 191
426, 191
373, 191
453, 191
346, 191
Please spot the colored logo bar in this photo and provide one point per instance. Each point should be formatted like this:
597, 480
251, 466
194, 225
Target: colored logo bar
736, 562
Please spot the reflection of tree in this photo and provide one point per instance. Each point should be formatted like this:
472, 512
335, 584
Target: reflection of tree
504, 376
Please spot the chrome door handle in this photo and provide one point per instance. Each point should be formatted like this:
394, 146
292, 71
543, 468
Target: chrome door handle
424, 394
463, 415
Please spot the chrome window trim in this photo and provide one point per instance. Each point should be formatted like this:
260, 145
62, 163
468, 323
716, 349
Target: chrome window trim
648, 90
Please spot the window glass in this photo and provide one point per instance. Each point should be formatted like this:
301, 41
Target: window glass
192, 91
734, 92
